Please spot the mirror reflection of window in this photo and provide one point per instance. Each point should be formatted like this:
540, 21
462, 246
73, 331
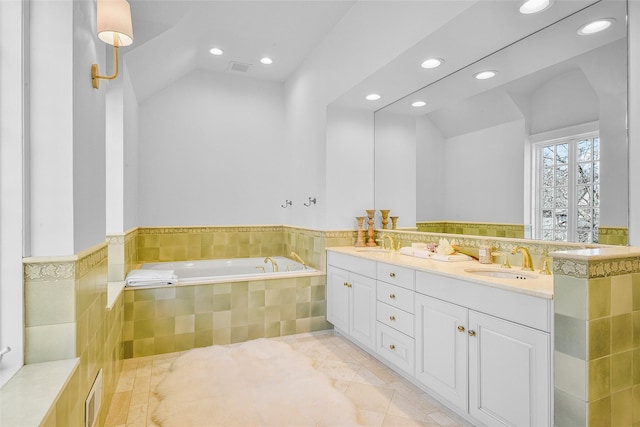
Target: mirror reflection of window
568, 186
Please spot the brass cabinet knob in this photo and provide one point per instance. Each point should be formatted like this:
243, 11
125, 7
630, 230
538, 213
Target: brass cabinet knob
345, 284
392, 318
392, 347
392, 274
392, 296
460, 328
349, 285
472, 333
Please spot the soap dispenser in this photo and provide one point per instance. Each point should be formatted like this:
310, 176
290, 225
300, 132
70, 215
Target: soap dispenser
484, 253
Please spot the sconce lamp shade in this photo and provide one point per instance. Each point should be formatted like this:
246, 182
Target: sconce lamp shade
114, 22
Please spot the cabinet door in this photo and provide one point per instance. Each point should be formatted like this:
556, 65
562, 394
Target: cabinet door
441, 348
338, 298
509, 373
362, 319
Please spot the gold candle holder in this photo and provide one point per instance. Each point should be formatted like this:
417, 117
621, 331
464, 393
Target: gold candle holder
360, 240
394, 222
370, 230
385, 217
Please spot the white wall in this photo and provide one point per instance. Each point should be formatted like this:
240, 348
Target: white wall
634, 123
211, 151
395, 166
130, 156
430, 176
349, 136
484, 160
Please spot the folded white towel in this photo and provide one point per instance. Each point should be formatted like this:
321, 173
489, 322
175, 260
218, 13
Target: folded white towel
406, 251
422, 253
452, 257
149, 277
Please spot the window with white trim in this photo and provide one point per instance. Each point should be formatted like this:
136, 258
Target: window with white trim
568, 205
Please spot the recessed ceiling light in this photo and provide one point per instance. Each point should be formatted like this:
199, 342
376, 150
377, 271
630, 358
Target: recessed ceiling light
534, 6
216, 51
595, 26
266, 61
372, 97
432, 63
418, 104
484, 75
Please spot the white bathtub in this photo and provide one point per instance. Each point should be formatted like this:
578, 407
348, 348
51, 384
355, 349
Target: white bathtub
232, 269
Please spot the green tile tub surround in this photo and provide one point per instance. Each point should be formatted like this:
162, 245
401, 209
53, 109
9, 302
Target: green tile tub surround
66, 317
613, 235
164, 320
597, 337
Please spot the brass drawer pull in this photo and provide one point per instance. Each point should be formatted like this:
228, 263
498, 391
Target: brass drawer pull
460, 328
392, 347
392, 274
392, 318
392, 296
345, 284
472, 333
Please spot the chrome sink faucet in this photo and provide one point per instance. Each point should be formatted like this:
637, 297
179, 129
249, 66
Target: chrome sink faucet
273, 263
527, 263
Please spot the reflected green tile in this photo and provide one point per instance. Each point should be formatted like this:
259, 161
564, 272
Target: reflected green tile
128, 349
599, 338
203, 322
621, 333
144, 310
222, 302
599, 378
239, 333
143, 329
621, 367
164, 326
184, 342
129, 295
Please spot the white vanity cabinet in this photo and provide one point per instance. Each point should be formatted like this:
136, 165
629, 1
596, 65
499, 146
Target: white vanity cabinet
351, 297
394, 313
484, 349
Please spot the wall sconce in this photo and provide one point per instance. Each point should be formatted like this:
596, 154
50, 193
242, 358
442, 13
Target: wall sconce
114, 28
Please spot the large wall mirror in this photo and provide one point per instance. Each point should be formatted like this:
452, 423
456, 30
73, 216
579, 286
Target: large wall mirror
538, 151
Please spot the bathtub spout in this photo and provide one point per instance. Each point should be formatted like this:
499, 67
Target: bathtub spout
300, 260
273, 263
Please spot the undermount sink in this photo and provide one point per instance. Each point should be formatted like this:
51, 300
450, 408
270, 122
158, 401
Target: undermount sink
501, 274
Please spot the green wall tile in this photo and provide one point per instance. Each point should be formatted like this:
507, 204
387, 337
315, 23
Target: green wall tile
621, 333
599, 378
599, 338
621, 368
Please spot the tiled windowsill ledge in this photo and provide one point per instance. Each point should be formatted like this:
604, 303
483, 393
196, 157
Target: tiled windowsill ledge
27, 398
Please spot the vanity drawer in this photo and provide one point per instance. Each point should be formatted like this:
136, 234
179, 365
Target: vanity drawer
357, 265
395, 347
395, 296
395, 318
399, 276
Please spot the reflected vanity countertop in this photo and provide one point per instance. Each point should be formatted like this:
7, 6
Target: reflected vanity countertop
598, 254
541, 286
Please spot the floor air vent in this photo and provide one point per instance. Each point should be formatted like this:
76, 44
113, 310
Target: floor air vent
239, 66
93, 402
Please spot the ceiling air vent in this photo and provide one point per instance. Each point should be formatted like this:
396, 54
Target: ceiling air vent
239, 66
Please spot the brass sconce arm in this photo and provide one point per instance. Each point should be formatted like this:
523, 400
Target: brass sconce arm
94, 70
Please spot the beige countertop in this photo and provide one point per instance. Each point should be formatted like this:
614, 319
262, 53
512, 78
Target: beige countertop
541, 286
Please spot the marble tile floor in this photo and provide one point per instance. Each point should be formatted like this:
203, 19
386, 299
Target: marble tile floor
382, 396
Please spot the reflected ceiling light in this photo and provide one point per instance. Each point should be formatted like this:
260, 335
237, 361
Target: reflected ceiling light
372, 97
114, 27
595, 26
266, 61
534, 6
432, 63
484, 75
216, 51
418, 104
